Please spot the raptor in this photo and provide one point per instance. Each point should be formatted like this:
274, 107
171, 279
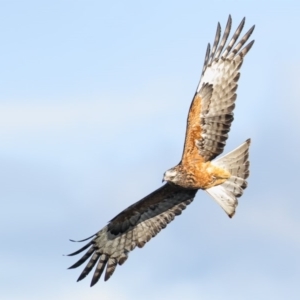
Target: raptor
224, 178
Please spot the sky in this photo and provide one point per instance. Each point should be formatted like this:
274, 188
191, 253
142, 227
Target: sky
93, 103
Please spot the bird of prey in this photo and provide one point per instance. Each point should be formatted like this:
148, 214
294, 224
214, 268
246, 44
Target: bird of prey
208, 123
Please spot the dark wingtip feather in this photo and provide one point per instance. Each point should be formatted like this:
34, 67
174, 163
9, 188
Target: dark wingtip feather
89, 266
224, 38
83, 239
229, 21
110, 268
250, 44
246, 49
251, 30
234, 38
99, 269
83, 259
82, 275
215, 44
206, 57
81, 249
93, 282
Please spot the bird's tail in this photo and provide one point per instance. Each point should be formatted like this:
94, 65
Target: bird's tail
237, 164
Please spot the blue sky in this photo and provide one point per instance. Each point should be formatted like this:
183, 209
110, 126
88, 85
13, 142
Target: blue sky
93, 104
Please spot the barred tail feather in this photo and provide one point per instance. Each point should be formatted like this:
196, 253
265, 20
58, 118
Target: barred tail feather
237, 163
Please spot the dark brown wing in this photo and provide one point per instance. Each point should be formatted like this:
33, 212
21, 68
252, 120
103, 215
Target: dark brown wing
211, 111
133, 227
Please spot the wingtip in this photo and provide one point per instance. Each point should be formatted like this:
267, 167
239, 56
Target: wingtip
107, 276
79, 241
231, 215
229, 22
82, 275
72, 267
92, 283
250, 31
242, 24
94, 280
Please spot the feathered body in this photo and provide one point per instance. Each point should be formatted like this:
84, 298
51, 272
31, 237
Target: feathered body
209, 120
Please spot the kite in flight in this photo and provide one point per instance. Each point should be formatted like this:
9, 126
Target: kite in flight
208, 123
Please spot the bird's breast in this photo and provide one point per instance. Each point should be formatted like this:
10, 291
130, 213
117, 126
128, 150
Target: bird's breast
204, 175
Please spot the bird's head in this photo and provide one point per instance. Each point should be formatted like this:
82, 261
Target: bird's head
171, 175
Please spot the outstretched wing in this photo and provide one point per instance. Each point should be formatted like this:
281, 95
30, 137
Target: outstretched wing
211, 111
133, 227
